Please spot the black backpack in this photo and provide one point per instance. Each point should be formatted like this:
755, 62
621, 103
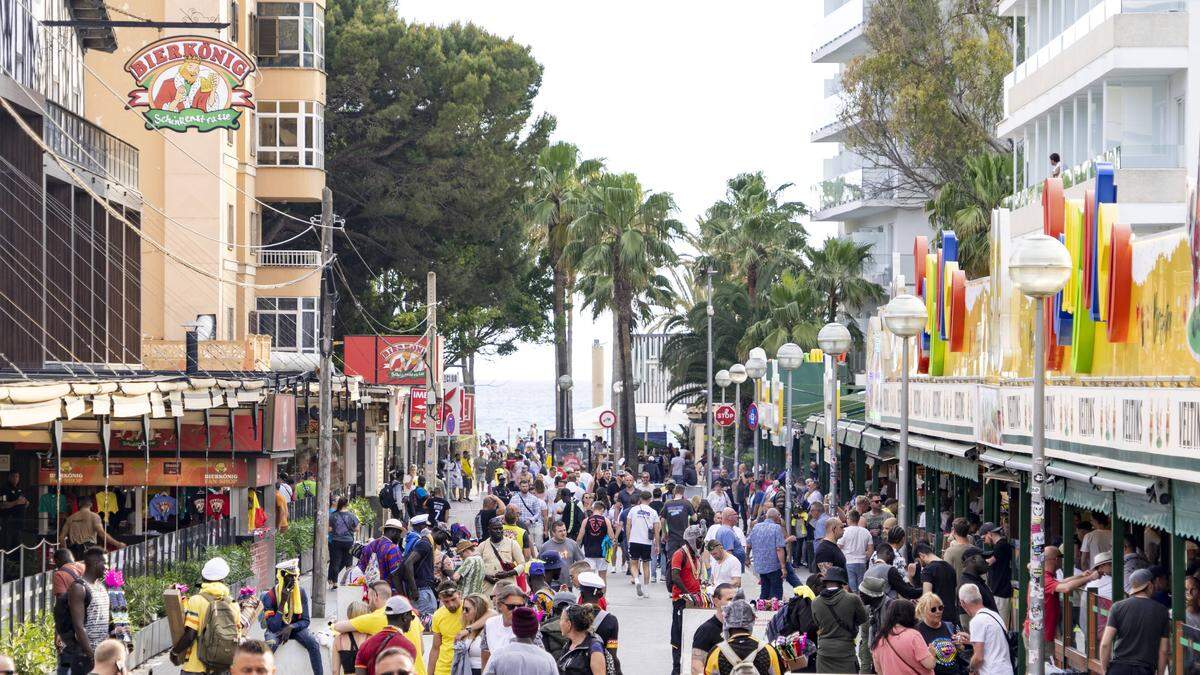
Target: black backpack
387, 496
63, 626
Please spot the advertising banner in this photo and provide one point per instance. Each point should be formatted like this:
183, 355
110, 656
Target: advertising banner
417, 409
391, 359
134, 472
190, 82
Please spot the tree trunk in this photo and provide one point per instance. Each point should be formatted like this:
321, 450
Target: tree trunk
468, 368
569, 312
561, 344
616, 377
628, 417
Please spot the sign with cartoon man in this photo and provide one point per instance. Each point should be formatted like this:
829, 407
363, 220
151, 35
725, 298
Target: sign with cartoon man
190, 82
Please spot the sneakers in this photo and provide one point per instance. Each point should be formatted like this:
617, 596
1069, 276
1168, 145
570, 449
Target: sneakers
640, 592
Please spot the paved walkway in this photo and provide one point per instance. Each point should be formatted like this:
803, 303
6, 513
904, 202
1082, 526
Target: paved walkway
645, 623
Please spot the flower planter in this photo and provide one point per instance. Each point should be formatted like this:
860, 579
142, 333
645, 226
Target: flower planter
151, 640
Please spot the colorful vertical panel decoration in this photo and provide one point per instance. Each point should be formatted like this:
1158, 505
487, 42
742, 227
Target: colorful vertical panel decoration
943, 287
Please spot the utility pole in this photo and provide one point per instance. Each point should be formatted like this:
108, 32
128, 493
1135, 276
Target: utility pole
433, 395
708, 414
324, 405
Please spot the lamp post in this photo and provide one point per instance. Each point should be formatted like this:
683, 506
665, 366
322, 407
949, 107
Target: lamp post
564, 424
905, 317
790, 357
834, 340
756, 368
737, 373
708, 417
1040, 266
722, 380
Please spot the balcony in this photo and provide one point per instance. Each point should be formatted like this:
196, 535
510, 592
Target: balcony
297, 269
858, 194
89, 147
842, 32
832, 127
253, 354
273, 257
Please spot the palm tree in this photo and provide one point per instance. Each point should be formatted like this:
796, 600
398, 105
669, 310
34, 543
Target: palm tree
836, 270
559, 178
792, 314
685, 353
618, 242
751, 234
966, 207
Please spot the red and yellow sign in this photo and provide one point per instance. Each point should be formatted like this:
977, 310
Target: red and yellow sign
190, 82
391, 359
134, 472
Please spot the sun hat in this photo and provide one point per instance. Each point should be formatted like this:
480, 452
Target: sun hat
393, 524
872, 587
1100, 559
215, 570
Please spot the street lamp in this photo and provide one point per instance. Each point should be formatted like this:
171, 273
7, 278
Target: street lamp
737, 373
756, 369
834, 340
1040, 266
564, 386
708, 418
905, 317
790, 357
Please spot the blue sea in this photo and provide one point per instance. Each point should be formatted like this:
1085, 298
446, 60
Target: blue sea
503, 406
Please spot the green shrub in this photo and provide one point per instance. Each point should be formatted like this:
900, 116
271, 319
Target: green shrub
31, 645
365, 512
145, 597
298, 538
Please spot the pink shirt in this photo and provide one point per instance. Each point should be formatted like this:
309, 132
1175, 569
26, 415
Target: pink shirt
901, 654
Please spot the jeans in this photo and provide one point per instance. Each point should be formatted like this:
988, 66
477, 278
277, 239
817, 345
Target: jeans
771, 585
659, 566
306, 640
71, 661
676, 632
339, 558
792, 578
855, 572
426, 602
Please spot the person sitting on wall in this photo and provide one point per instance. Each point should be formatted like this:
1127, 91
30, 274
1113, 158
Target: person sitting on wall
286, 613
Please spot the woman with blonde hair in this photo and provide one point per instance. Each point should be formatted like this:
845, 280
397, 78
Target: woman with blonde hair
476, 608
346, 645
945, 641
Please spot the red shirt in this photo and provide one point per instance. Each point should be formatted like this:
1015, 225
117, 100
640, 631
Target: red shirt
389, 637
601, 602
683, 561
1052, 604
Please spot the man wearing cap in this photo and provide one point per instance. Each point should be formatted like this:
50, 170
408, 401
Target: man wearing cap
999, 553
723, 567
710, 633
1136, 639
974, 568
838, 615
469, 575
605, 625
523, 655
1102, 565
185, 652
685, 583
385, 553
740, 645
286, 613
418, 568
399, 613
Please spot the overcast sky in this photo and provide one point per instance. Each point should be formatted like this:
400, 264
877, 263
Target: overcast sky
684, 94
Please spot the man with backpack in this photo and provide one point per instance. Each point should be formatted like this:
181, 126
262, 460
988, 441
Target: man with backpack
81, 616
741, 653
286, 613
212, 625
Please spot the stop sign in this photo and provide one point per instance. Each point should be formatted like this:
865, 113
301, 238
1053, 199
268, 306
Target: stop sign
725, 415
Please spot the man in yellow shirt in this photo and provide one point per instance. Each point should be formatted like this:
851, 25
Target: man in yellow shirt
447, 623
186, 652
374, 621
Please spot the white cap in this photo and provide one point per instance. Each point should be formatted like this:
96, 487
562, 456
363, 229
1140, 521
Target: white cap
393, 524
215, 570
590, 580
292, 566
419, 519
397, 604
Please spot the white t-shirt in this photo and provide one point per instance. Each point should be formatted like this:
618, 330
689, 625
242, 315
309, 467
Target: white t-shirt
1096, 542
677, 464
1103, 586
577, 492
987, 628
854, 543
726, 571
814, 497
718, 501
642, 519
499, 636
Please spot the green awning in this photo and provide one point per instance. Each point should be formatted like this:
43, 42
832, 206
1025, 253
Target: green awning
1186, 499
994, 457
926, 454
1144, 510
1079, 495
879, 443
850, 433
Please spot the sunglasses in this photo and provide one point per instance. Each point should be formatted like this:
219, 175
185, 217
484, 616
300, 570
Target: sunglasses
938, 608
511, 606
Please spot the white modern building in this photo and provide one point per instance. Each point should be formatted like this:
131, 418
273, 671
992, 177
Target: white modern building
855, 193
1104, 80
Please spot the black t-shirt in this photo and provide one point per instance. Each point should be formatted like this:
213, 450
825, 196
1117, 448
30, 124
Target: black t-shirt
628, 499
1000, 573
438, 509
989, 600
828, 552
594, 532
946, 661
1140, 624
708, 635
572, 517
423, 570
941, 575
678, 515
11, 494
607, 632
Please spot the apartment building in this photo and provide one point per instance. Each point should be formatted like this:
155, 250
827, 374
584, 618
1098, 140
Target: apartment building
208, 192
1103, 80
856, 193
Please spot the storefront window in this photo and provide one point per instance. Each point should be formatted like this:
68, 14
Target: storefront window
291, 35
291, 133
291, 323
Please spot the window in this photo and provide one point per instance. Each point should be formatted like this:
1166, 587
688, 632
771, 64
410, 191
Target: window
291, 323
291, 133
290, 35
230, 331
234, 20
230, 228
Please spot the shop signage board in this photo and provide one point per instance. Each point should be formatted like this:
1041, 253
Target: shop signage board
467, 423
416, 409
936, 408
391, 359
190, 82
134, 472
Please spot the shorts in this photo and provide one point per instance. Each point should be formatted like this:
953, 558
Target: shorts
640, 551
598, 564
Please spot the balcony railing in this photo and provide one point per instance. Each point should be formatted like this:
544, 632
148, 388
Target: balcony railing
253, 353
850, 188
270, 257
89, 147
841, 21
1121, 157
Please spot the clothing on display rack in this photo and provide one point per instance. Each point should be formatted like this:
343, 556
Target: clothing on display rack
162, 507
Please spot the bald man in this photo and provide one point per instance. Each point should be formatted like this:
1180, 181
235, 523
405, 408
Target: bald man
1053, 589
110, 658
